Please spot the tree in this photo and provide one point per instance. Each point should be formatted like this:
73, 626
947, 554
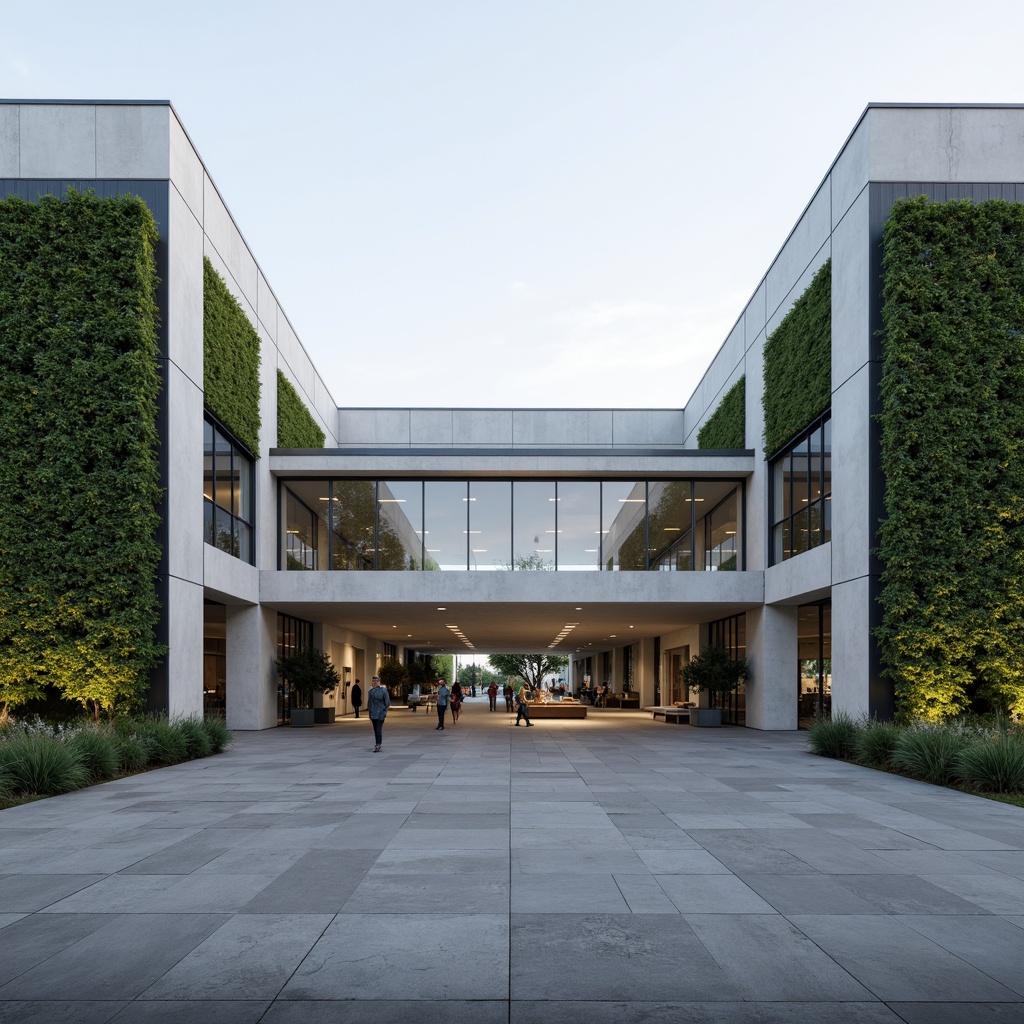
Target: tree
531, 668
715, 670
308, 671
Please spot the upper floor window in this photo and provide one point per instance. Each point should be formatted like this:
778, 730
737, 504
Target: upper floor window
228, 505
801, 498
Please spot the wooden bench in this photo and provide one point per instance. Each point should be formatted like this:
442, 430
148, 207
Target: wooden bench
677, 715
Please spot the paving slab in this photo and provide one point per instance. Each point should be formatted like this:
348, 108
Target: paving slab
565, 873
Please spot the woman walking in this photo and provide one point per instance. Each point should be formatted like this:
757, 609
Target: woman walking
377, 708
457, 697
492, 696
442, 702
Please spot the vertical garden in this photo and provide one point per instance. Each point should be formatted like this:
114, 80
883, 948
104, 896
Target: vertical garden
79, 479
952, 428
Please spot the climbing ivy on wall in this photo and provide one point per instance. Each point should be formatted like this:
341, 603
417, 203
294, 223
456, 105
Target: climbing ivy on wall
726, 427
296, 427
952, 437
798, 364
79, 478
231, 361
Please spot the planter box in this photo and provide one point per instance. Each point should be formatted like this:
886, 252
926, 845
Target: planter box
302, 718
706, 717
323, 715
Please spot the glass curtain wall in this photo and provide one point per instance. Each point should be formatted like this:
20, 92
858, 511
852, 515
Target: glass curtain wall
227, 493
489, 525
801, 499
731, 633
292, 635
814, 670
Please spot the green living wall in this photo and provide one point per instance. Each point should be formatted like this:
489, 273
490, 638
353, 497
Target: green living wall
231, 361
952, 436
79, 478
296, 427
726, 427
798, 364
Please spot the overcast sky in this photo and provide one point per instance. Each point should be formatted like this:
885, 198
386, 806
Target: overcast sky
564, 202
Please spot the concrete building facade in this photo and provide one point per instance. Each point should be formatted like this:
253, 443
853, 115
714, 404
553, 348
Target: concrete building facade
683, 541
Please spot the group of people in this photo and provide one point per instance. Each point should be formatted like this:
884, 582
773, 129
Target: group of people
378, 702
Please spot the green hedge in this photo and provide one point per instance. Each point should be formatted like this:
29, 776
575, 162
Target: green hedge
798, 364
296, 427
726, 427
79, 478
952, 438
231, 361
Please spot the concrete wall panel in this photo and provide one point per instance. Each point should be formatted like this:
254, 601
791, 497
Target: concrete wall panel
133, 141
644, 428
851, 293
801, 250
798, 287
58, 141
183, 319
491, 427
183, 448
945, 144
251, 652
807, 577
266, 305
185, 650
427, 427
849, 174
187, 173
853, 535
851, 647
771, 689
222, 235
10, 140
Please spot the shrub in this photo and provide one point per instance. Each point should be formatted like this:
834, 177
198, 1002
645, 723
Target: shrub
98, 752
875, 743
928, 754
196, 739
132, 753
834, 737
218, 732
42, 764
996, 765
166, 745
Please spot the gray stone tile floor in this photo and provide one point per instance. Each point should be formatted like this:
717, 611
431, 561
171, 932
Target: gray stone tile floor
607, 871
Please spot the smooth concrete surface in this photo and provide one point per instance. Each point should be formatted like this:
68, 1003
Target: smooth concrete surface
613, 870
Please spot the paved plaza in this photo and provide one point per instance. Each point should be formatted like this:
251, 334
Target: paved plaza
601, 872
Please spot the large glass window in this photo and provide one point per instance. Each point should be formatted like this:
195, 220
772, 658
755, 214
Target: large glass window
814, 671
490, 524
228, 507
400, 538
624, 520
731, 633
534, 533
579, 525
573, 525
446, 524
801, 498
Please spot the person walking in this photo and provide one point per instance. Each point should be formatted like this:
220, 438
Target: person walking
377, 708
456, 701
508, 697
443, 696
492, 696
357, 698
522, 708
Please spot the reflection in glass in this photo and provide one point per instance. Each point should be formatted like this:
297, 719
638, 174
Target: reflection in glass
671, 539
623, 507
353, 524
720, 546
533, 524
579, 525
814, 653
490, 524
446, 524
305, 525
400, 525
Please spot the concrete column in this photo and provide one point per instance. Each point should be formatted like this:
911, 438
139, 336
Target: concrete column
772, 657
644, 674
184, 662
251, 672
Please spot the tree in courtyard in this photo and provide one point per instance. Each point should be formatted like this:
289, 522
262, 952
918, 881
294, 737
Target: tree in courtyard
531, 668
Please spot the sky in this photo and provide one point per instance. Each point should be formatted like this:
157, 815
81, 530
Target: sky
533, 203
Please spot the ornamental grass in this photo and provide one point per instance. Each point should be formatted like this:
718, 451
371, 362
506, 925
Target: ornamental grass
834, 737
995, 764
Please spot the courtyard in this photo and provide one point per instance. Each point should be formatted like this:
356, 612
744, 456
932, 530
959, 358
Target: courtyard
609, 870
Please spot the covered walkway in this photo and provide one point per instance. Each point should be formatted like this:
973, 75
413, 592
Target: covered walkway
612, 870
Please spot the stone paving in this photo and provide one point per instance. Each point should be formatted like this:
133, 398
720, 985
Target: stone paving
607, 871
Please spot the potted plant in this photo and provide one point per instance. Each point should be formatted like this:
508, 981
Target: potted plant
307, 671
715, 671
